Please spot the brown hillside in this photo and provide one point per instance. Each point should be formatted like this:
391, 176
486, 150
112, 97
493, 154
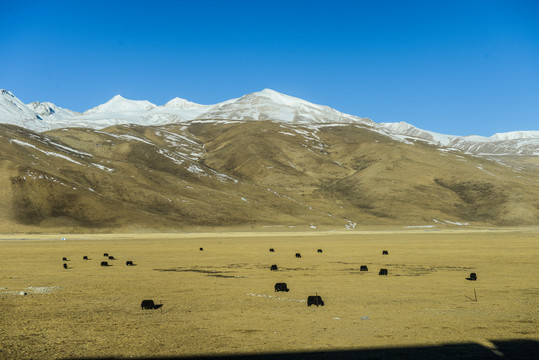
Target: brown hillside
250, 173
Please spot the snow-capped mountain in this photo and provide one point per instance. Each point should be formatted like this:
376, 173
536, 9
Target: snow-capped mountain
219, 165
119, 104
14, 111
181, 104
258, 106
515, 143
271, 105
41, 109
49, 110
402, 128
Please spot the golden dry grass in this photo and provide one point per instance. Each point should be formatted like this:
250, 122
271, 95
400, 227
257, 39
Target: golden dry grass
218, 300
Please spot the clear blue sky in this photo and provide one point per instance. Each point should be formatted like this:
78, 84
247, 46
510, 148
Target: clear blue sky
454, 67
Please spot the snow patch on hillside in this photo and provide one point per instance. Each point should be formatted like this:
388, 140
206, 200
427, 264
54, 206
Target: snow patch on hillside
50, 153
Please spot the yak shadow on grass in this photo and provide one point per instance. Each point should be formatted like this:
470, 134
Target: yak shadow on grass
510, 349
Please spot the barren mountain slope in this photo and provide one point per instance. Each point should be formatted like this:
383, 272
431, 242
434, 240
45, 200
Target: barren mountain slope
372, 179
121, 179
132, 177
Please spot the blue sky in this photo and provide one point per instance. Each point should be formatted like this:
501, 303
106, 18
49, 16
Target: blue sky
454, 67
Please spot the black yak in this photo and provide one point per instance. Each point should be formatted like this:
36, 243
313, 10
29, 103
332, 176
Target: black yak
149, 305
473, 277
315, 300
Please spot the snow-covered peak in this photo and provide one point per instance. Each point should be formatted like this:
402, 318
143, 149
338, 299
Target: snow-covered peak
42, 109
49, 111
119, 104
266, 104
279, 98
269, 96
271, 105
5, 92
403, 128
180, 104
516, 135
524, 143
14, 111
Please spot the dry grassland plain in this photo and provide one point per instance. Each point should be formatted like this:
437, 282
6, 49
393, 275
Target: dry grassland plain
221, 300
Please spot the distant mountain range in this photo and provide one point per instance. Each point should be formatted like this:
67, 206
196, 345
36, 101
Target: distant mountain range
265, 159
259, 106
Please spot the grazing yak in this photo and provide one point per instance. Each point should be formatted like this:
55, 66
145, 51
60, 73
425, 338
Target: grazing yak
385, 252
111, 258
298, 255
85, 257
319, 250
273, 267
315, 300
104, 263
473, 277
363, 268
106, 254
272, 250
281, 287
129, 263
64, 259
201, 249
149, 305
383, 272
65, 266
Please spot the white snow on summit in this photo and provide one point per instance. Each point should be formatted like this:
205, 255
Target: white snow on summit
47, 109
516, 143
272, 105
180, 104
119, 104
403, 128
258, 106
14, 111
515, 135
41, 109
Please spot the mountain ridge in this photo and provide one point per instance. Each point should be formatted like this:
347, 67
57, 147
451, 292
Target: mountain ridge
266, 104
